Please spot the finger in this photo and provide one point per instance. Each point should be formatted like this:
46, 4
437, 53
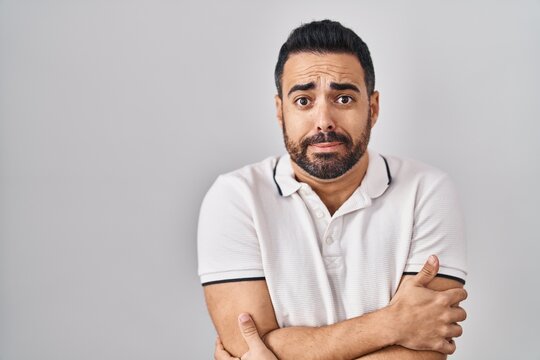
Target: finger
220, 353
454, 330
447, 347
249, 331
219, 347
455, 296
457, 314
428, 272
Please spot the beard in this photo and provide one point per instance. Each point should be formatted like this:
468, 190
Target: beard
328, 165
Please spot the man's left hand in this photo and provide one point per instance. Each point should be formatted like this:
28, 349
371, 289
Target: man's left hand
257, 348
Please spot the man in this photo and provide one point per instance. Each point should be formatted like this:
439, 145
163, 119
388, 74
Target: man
326, 247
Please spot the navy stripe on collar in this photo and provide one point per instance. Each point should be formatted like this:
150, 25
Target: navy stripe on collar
387, 170
274, 176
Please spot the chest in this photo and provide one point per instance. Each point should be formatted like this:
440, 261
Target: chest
321, 269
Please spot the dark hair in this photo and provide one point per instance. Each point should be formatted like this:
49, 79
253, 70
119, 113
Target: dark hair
325, 36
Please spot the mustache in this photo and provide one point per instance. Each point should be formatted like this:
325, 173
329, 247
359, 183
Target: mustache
330, 136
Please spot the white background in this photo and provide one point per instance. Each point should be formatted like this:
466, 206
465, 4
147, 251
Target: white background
116, 116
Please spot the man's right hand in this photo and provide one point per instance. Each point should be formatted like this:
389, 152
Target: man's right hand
427, 319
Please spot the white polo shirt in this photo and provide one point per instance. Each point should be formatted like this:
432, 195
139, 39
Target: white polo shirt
259, 222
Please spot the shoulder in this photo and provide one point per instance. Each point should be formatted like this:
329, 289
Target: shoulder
248, 176
256, 172
405, 167
244, 183
411, 172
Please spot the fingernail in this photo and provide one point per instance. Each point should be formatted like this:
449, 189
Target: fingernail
431, 260
244, 318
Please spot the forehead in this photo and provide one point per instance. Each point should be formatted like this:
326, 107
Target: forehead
305, 67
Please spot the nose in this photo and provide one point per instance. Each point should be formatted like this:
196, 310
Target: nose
324, 120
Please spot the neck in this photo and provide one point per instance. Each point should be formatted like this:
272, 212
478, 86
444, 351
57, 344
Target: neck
334, 192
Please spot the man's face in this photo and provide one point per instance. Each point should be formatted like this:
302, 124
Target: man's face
325, 112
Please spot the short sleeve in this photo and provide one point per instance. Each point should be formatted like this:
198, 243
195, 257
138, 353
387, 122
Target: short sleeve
438, 229
228, 247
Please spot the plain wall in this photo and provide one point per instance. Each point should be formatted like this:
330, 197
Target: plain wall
116, 116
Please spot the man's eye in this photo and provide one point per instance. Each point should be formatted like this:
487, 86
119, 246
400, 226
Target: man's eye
344, 99
302, 101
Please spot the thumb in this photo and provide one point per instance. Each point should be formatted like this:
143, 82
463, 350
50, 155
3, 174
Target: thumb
249, 331
428, 272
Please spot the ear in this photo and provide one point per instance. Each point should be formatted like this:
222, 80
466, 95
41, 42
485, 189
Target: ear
279, 110
374, 107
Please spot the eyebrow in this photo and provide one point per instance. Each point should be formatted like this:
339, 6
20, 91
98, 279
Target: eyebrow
344, 86
301, 87
333, 85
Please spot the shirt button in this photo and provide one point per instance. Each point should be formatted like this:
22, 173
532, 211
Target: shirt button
329, 240
319, 213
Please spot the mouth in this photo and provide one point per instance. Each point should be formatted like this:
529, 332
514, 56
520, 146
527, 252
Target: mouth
327, 146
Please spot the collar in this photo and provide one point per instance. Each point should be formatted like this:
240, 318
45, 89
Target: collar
376, 180
284, 176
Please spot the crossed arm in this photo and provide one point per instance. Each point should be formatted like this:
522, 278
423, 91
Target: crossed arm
418, 324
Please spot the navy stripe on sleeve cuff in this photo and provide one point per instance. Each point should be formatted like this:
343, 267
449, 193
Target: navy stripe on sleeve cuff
440, 275
232, 280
